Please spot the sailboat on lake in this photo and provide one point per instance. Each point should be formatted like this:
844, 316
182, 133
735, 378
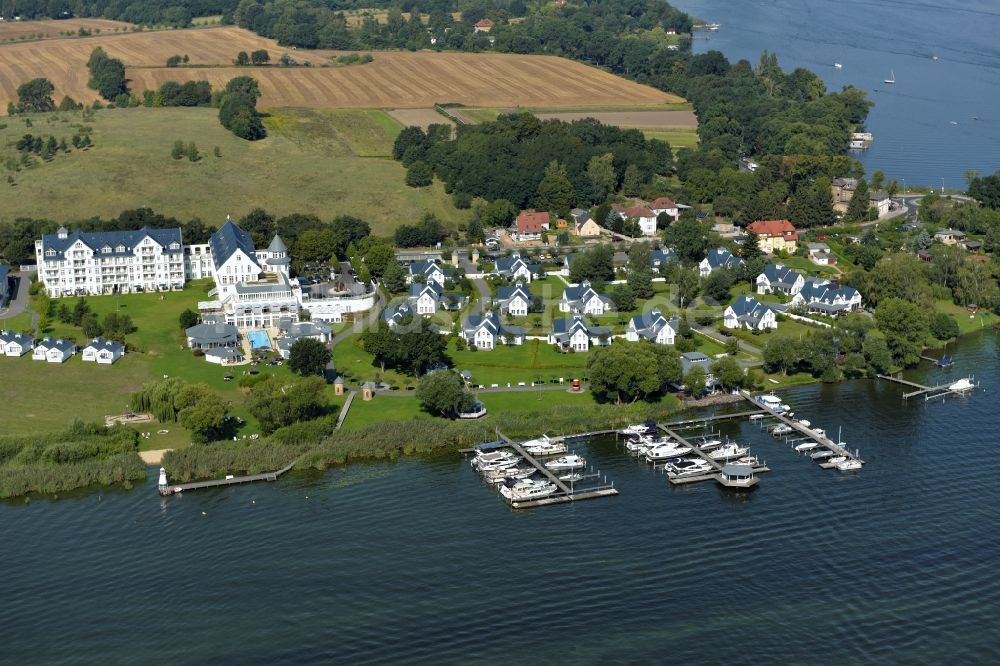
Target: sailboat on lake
892, 78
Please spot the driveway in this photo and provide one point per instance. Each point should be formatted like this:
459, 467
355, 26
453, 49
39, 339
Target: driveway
485, 295
18, 304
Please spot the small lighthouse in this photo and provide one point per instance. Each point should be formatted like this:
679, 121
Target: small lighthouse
163, 479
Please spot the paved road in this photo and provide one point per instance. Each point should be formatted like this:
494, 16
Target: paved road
485, 295
20, 300
718, 337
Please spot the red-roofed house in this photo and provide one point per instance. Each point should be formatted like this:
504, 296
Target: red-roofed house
484, 25
775, 235
530, 224
665, 205
642, 214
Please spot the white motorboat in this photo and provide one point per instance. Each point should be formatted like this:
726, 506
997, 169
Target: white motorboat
730, 451
748, 460
849, 465
781, 429
806, 446
805, 423
757, 417
544, 447
494, 460
635, 429
665, 452
837, 65
819, 431
771, 403
707, 444
526, 489
961, 385
500, 475
572, 477
568, 463
821, 456
836, 460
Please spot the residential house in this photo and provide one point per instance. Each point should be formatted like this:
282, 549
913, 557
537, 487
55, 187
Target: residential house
775, 235
425, 299
843, 192
429, 271
661, 256
291, 332
879, 200
515, 301
483, 25
584, 225
530, 224
582, 298
718, 258
747, 312
691, 360
641, 213
103, 352
514, 268
393, 316
574, 334
971, 245
652, 326
212, 336
485, 332
821, 296
15, 344
53, 350
779, 279
664, 205
820, 254
950, 236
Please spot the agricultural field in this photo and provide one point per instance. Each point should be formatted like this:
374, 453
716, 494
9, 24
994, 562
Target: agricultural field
313, 161
393, 80
23, 30
419, 117
652, 120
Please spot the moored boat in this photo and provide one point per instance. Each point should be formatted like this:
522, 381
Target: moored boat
730, 451
500, 475
520, 490
806, 446
849, 465
570, 462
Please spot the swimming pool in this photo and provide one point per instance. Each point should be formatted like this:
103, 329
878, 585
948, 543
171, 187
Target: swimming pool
258, 340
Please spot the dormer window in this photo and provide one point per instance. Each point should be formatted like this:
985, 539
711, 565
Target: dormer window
174, 246
120, 248
50, 253
106, 249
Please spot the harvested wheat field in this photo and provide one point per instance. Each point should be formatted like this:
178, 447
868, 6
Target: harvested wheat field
419, 117
652, 120
420, 80
15, 30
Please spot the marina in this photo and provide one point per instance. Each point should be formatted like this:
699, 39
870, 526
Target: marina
954, 387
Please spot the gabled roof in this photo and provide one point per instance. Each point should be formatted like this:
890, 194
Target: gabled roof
492, 323
424, 267
949, 232
818, 290
100, 344
662, 255
580, 215
773, 228
395, 314
7, 337
227, 240
637, 211
432, 288
663, 202
569, 325
748, 308
582, 292
649, 324
484, 23
61, 344
507, 265
720, 257
97, 241
508, 293
780, 275
531, 221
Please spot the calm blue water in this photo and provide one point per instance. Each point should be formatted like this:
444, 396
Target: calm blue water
914, 137
419, 562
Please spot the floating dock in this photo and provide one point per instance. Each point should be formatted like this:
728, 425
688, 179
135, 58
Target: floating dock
929, 392
716, 474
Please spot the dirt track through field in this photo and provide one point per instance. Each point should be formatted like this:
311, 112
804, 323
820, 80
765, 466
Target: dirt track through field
643, 119
394, 80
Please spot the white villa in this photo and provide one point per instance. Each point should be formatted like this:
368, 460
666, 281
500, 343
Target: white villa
425, 298
515, 301
716, 259
103, 352
53, 350
820, 296
779, 279
652, 326
109, 262
747, 312
291, 332
514, 268
487, 331
15, 344
582, 298
429, 270
575, 334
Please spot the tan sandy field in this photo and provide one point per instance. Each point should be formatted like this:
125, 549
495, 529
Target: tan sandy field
51, 29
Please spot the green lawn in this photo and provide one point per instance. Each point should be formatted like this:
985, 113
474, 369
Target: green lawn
313, 161
383, 408
680, 137
482, 115
967, 323
525, 363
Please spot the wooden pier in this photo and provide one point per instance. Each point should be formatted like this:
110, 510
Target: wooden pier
178, 488
716, 466
708, 419
567, 493
921, 389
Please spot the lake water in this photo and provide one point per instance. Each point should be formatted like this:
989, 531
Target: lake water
419, 562
912, 120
